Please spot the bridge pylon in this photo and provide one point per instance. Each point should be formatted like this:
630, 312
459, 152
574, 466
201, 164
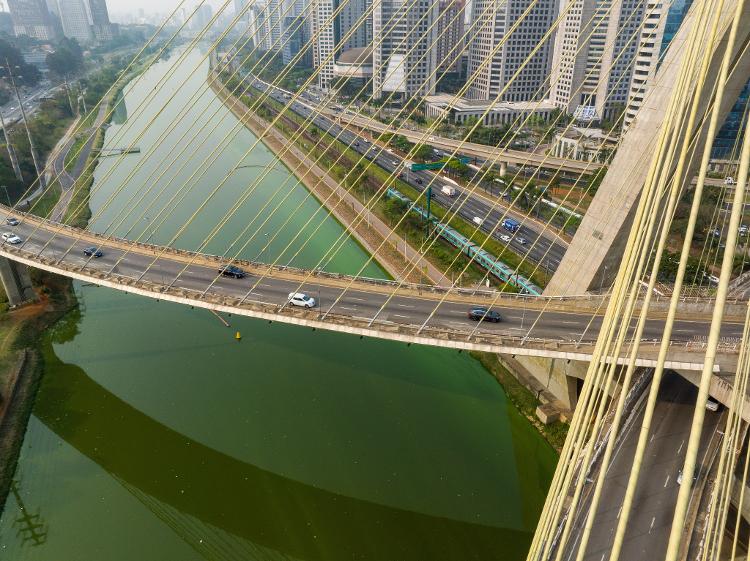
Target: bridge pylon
16, 281
594, 256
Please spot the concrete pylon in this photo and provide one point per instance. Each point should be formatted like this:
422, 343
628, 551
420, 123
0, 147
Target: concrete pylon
17, 282
594, 256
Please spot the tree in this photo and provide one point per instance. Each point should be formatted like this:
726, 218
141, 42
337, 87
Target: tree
25, 74
67, 59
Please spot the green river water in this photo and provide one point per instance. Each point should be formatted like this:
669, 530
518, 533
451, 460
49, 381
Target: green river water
157, 437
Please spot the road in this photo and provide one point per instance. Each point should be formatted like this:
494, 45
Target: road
68, 179
363, 300
656, 495
540, 246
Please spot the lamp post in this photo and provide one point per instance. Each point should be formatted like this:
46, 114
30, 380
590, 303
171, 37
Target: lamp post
34, 155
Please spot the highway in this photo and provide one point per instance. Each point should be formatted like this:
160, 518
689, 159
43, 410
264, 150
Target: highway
543, 247
656, 495
363, 301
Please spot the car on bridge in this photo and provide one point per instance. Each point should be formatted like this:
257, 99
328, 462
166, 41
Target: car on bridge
12, 221
301, 300
11, 238
484, 314
93, 252
232, 271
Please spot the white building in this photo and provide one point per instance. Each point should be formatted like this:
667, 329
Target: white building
491, 113
500, 70
404, 47
76, 20
591, 145
593, 56
350, 29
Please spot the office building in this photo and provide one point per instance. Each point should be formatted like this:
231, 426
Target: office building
498, 67
593, 58
404, 48
32, 18
450, 31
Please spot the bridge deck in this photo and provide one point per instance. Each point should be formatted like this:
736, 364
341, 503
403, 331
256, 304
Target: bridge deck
562, 327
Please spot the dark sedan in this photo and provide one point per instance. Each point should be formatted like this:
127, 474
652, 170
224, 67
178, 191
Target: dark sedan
93, 252
483, 314
232, 271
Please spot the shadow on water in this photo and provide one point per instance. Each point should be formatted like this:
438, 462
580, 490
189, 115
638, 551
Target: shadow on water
260, 506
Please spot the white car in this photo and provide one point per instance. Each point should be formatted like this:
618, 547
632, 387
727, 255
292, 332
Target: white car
302, 300
505, 238
522, 241
11, 238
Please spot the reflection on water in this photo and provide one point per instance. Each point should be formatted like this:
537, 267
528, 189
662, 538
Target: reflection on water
156, 436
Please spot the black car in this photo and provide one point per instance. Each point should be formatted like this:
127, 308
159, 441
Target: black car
483, 314
93, 252
420, 181
232, 271
11, 221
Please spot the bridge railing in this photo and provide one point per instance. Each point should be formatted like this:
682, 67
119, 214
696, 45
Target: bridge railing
430, 334
585, 302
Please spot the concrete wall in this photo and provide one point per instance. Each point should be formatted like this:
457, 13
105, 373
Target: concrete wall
16, 281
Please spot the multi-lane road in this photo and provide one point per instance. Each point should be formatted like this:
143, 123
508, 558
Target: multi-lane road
363, 300
656, 495
539, 245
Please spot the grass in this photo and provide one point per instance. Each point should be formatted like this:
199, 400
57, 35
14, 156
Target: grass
43, 205
523, 400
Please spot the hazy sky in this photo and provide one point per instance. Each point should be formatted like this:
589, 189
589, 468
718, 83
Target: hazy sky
149, 5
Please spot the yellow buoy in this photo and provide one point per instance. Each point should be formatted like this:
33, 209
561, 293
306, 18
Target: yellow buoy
238, 336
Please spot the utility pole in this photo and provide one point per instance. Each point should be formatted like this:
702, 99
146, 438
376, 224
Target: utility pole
11, 151
34, 155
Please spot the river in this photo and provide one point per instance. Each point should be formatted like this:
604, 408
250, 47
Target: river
157, 437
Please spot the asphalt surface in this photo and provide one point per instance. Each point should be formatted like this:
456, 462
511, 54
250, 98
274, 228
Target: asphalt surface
357, 302
650, 522
542, 247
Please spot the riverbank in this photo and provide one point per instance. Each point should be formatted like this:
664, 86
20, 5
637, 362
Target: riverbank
22, 366
396, 256
21, 361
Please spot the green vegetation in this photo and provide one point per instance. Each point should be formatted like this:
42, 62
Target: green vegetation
24, 74
66, 59
442, 252
525, 401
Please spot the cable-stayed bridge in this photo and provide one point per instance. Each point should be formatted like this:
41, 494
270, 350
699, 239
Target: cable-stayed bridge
644, 218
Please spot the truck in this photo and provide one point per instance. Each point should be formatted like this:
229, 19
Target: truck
448, 190
511, 225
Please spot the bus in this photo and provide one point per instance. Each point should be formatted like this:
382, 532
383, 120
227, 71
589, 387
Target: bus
511, 225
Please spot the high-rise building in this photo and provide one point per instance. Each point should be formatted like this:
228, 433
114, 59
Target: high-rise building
593, 57
658, 31
100, 24
32, 18
202, 17
499, 70
404, 47
450, 30
76, 20
350, 29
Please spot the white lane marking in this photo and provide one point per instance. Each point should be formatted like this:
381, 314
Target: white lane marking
570, 323
350, 309
667, 481
400, 316
619, 512
356, 299
652, 524
405, 306
681, 445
